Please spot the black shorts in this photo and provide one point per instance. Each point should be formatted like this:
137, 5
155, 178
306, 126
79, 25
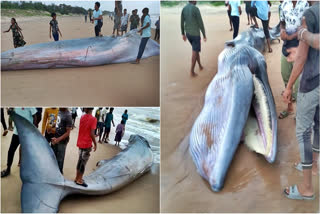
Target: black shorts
195, 42
108, 129
97, 28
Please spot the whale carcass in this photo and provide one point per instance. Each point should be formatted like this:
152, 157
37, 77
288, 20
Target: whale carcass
78, 52
43, 186
238, 106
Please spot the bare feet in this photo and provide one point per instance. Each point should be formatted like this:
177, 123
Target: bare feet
193, 74
270, 50
201, 67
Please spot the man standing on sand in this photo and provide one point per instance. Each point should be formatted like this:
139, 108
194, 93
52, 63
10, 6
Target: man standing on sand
49, 123
134, 19
61, 139
191, 24
86, 137
307, 63
97, 19
107, 122
124, 22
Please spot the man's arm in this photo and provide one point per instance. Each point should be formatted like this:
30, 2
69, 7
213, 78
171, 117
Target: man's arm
93, 138
308, 37
200, 22
182, 24
44, 121
34, 119
113, 122
62, 137
301, 58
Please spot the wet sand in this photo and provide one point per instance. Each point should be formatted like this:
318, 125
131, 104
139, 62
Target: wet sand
117, 84
252, 184
142, 195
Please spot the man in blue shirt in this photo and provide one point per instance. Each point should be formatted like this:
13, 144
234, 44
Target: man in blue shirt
97, 19
260, 9
107, 122
235, 15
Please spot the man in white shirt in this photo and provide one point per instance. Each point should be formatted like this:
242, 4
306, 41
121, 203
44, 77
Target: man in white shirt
124, 21
30, 115
97, 19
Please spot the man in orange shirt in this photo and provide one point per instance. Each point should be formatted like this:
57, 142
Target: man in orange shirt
86, 137
49, 123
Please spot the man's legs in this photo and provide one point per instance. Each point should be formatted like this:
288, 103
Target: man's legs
315, 145
307, 108
266, 33
84, 155
253, 13
96, 30
101, 132
3, 121
235, 22
60, 150
12, 149
142, 46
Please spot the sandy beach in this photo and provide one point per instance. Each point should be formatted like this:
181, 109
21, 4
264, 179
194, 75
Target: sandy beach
142, 195
252, 184
116, 84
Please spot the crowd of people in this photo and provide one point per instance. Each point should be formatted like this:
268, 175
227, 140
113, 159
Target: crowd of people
57, 124
299, 24
121, 20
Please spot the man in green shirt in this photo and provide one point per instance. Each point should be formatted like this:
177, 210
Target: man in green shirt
191, 24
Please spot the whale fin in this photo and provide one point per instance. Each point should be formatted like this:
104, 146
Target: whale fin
39, 170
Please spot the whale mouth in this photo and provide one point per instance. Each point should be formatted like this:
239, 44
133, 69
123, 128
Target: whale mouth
258, 132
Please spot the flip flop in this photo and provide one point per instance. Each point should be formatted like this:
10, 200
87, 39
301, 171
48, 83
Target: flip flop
284, 114
298, 167
83, 184
295, 194
5, 173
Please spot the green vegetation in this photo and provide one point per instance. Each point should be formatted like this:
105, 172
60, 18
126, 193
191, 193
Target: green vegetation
39, 7
23, 13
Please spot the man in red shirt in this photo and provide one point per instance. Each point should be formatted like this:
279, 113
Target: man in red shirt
86, 136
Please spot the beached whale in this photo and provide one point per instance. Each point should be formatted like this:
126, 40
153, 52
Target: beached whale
44, 186
85, 52
238, 106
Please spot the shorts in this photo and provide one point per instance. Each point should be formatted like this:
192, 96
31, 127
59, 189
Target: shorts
55, 36
195, 42
97, 28
84, 155
108, 129
124, 27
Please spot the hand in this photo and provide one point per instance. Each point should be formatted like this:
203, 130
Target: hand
205, 39
283, 35
292, 54
54, 141
184, 37
287, 94
139, 31
94, 147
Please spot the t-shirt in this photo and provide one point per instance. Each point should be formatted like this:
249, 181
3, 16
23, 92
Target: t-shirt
109, 118
234, 4
49, 120
102, 115
54, 26
292, 15
125, 117
87, 123
64, 121
120, 128
191, 21
27, 113
134, 19
262, 9
310, 76
124, 19
147, 31
96, 14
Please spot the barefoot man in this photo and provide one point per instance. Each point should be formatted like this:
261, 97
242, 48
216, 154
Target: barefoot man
191, 24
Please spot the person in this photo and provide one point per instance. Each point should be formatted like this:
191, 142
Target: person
74, 115
307, 63
18, 40
191, 25
248, 8
60, 140
312, 39
125, 116
107, 123
49, 123
124, 21
157, 34
119, 132
54, 28
291, 13
117, 17
3, 122
134, 20
235, 16
101, 122
97, 19
85, 139
145, 31
90, 14
269, 14
229, 14
85, 17
30, 115
259, 9
39, 116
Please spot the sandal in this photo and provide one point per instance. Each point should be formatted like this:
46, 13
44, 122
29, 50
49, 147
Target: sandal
295, 194
83, 184
5, 173
284, 114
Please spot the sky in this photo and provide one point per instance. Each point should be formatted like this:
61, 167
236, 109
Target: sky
153, 5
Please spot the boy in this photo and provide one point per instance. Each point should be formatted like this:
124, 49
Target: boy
107, 122
54, 28
86, 137
97, 19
